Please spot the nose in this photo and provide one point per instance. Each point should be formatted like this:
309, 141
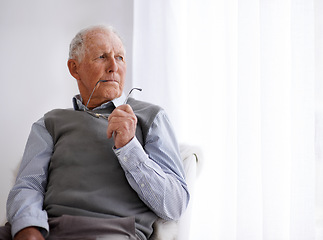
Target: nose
112, 65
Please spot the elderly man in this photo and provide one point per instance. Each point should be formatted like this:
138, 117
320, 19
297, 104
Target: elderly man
106, 169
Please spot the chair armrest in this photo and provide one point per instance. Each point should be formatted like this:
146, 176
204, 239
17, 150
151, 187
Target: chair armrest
179, 230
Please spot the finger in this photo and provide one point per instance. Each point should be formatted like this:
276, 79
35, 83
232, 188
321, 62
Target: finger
118, 124
121, 126
126, 108
121, 117
122, 110
109, 132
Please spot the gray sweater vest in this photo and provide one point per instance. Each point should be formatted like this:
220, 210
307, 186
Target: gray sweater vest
85, 177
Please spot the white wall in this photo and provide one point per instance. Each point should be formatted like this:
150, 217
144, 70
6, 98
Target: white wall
34, 77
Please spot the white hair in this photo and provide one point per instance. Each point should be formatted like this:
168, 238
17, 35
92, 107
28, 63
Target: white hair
77, 44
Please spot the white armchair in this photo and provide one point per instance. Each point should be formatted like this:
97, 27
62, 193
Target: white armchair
179, 230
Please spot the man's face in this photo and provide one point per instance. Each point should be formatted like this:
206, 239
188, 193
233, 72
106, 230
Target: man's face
103, 59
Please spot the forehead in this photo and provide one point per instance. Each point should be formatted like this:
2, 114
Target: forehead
101, 40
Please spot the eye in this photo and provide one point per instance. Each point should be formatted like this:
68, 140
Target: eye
120, 58
102, 56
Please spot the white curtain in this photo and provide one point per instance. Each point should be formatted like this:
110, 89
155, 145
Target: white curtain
241, 79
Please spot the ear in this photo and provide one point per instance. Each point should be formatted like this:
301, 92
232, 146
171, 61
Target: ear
72, 65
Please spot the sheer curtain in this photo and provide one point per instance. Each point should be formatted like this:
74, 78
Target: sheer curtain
241, 80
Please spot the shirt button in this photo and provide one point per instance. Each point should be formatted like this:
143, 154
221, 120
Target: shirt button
142, 185
125, 159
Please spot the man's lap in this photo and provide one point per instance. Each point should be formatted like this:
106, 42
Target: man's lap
5, 232
86, 228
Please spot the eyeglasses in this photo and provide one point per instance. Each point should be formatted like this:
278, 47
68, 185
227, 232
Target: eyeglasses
125, 101
98, 115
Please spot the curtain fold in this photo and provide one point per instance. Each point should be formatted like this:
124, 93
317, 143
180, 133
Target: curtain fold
239, 79
156, 53
318, 6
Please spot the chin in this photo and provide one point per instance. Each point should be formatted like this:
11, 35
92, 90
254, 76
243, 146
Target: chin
112, 94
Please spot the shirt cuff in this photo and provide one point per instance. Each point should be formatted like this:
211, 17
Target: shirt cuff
131, 155
24, 222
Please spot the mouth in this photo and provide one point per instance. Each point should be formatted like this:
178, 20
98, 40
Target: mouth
109, 81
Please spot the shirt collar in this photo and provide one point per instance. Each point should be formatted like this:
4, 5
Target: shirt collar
78, 102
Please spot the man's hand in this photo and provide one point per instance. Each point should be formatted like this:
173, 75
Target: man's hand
122, 125
29, 233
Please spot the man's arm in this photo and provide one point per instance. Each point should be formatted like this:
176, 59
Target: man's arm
25, 200
156, 172
29, 233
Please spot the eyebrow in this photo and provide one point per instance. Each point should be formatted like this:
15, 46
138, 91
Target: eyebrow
97, 52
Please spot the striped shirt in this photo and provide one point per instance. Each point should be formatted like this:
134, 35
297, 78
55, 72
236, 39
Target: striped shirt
154, 171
